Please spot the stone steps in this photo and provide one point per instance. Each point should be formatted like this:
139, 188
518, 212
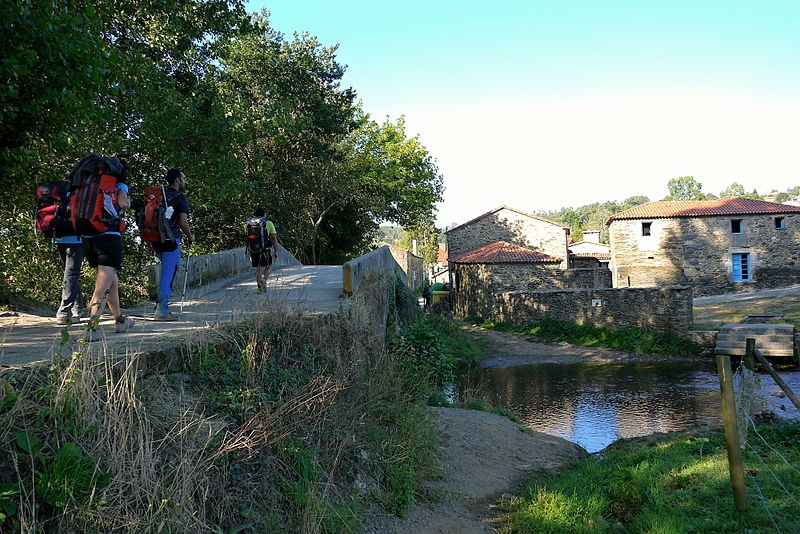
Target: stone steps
776, 340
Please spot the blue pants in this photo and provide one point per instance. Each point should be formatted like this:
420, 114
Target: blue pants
169, 268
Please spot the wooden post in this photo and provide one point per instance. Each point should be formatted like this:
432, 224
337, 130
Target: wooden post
731, 433
778, 380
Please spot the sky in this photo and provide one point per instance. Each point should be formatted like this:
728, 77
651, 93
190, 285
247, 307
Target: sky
545, 104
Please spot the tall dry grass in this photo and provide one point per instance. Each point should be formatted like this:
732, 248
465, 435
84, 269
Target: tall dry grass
282, 422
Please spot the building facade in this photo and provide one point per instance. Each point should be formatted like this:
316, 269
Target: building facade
511, 226
714, 246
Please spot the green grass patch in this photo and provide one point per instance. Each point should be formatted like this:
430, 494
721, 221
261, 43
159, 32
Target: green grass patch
713, 315
632, 339
667, 484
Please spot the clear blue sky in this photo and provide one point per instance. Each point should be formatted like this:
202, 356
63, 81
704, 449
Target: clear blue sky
546, 104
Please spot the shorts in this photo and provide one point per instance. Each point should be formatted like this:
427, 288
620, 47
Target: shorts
261, 259
105, 250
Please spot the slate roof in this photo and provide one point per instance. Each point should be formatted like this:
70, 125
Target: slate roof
503, 252
488, 213
670, 209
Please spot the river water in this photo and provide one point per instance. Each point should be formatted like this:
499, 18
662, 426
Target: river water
593, 404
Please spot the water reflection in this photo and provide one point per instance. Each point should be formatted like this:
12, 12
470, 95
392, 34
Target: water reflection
593, 404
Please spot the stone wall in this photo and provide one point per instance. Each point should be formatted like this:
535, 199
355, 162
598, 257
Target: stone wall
667, 309
411, 265
377, 261
697, 252
479, 282
509, 225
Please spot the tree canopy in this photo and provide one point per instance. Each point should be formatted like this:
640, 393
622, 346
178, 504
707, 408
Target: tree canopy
253, 118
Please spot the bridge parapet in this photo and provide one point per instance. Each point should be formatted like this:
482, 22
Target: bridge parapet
379, 260
210, 267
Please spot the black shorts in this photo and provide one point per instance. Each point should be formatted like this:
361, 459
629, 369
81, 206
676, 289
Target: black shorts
261, 259
105, 250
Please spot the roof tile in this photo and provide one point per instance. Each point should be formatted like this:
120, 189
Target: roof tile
503, 252
703, 208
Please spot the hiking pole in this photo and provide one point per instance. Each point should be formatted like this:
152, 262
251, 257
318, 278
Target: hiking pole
185, 279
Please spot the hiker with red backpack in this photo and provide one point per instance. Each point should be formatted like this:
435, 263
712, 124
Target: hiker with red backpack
99, 193
53, 221
168, 247
262, 245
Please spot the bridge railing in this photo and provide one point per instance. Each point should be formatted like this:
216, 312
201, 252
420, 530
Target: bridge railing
209, 267
379, 260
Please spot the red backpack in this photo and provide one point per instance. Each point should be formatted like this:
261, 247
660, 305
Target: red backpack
93, 203
154, 224
51, 213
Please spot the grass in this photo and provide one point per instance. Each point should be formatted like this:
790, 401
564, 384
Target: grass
713, 315
667, 484
632, 339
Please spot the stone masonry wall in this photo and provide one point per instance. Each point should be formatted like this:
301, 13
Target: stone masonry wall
514, 227
667, 309
411, 265
480, 282
697, 252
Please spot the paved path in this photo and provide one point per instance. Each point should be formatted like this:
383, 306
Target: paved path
31, 338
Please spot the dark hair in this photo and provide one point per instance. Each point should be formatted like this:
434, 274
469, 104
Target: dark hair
261, 212
173, 174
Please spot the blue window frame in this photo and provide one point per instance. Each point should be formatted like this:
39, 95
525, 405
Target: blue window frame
741, 267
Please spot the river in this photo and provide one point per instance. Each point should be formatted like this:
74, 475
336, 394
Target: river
594, 403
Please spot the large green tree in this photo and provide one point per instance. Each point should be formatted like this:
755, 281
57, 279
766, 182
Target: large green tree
685, 188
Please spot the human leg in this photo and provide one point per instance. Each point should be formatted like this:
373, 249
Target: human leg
169, 268
71, 298
106, 282
104, 253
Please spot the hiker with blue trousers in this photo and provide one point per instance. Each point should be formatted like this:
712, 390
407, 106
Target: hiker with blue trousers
178, 217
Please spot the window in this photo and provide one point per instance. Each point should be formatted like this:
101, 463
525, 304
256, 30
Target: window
740, 264
780, 223
646, 228
736, 226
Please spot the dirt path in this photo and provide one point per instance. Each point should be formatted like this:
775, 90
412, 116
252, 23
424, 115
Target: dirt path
484, 455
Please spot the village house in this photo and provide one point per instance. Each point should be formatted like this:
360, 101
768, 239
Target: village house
510, 250
714, 246
512, 226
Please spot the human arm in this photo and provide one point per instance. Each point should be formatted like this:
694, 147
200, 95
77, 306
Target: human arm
183, 221
274, 239
123, 201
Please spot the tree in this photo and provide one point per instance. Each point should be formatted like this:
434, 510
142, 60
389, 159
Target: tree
685, 188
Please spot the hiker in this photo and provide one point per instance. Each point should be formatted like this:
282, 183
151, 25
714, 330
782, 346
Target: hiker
103, 244
52, 220
262, 244
169, 254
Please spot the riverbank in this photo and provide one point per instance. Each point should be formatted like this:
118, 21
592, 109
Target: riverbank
485, 456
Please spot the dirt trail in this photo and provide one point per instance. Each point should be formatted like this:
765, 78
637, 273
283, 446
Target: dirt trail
484, 455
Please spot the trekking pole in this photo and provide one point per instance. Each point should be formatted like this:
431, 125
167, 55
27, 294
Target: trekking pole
185, 279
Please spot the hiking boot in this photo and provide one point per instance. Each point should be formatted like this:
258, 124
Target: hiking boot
93, 335
123, 324
165, 317
262, 286
65, 320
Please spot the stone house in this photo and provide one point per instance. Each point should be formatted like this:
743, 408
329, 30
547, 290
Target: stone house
512, 226
714, 246
481, 273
